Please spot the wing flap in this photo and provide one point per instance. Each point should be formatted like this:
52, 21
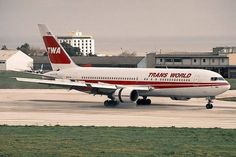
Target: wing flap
103, 85
139, 88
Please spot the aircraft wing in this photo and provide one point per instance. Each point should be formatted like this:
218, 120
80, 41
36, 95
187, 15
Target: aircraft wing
52, 82
69, 83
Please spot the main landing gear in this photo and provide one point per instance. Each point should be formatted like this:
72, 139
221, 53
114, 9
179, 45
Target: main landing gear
209, 105
110, 103
143, 101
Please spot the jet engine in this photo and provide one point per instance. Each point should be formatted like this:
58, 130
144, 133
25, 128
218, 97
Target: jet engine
125, 95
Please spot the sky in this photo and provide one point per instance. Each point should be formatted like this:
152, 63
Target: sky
129, 25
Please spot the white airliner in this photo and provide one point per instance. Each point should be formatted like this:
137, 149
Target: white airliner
125, 85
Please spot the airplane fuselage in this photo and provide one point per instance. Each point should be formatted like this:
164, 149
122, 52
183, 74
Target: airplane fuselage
181, 83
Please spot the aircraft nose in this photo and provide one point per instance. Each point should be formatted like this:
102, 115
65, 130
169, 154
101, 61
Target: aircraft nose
228, 85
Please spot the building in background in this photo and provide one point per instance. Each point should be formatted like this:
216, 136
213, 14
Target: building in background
221, 60
84, 43
15, 60
105, 61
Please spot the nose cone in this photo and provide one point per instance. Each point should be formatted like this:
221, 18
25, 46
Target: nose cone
228, 85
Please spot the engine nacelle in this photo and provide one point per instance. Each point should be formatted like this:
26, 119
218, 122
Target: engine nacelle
180, 98
125, 95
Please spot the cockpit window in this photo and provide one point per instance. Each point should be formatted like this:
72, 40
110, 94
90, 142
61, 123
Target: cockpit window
217, 79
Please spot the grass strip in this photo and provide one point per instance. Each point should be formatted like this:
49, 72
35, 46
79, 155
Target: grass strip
115, 141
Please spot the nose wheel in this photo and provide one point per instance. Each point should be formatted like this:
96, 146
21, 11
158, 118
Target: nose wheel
209, 105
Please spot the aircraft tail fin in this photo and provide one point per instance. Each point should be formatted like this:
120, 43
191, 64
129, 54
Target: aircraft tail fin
57, 55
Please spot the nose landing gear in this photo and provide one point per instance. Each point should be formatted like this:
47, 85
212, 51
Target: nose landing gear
209, 105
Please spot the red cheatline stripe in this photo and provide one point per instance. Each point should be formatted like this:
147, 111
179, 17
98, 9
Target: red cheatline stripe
160, 84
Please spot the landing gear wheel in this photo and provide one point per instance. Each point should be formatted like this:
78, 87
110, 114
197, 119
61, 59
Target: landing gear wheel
106, 103
209, 106
143, 102
148, 102
138, 102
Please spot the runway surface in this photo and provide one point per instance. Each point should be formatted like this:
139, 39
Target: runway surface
62, 107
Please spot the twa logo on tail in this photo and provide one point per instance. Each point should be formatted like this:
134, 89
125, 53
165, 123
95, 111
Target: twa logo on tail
57, 55
54, 50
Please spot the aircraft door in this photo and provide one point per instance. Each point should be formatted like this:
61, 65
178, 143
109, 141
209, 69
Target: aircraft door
196, 78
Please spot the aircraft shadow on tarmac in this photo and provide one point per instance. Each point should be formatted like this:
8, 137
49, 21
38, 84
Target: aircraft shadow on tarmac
92, 104
61, 101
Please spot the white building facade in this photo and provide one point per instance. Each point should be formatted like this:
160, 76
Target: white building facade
84, 43
15, 60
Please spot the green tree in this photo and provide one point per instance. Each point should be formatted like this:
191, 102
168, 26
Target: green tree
91, 55
25, 48
31, 51
72, 51
126, 53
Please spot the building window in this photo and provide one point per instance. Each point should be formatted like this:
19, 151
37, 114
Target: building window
161, 60
203, 60
177, 60
213, 60
223, 60
194, 60
168, 60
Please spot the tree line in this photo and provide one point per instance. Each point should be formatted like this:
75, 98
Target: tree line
72, 51
32, 51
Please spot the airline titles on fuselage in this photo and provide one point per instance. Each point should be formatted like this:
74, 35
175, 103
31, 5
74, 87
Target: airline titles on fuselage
171, 75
